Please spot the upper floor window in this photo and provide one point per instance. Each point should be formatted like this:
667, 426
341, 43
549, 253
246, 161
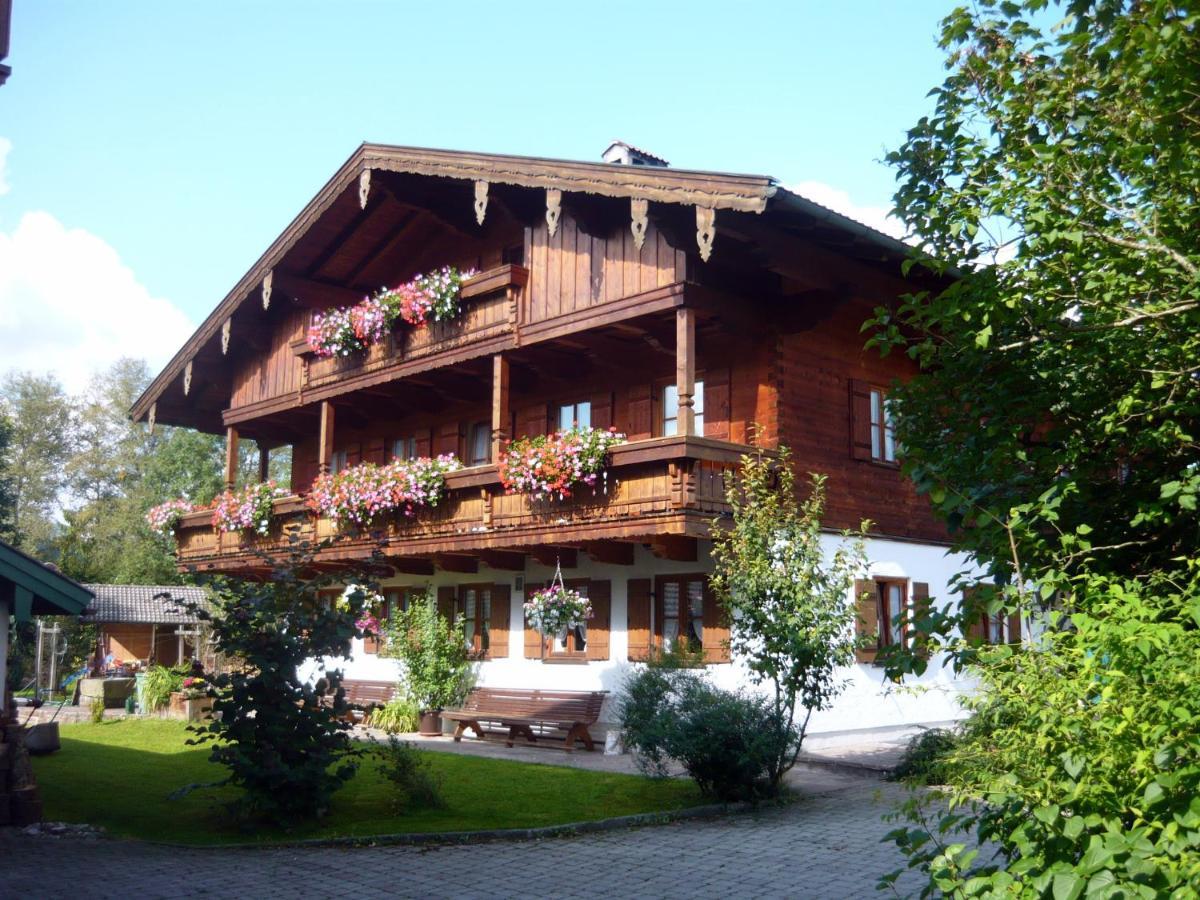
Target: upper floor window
575, 415
337, 462
404, 448
479, 445
883, 440
670, 407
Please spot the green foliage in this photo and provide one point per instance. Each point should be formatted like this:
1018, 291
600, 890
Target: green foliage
729, 743
415, 783
160, 682
924, 759
791, 619
8, 497
437, 666
282, 739
400, 714
96, 710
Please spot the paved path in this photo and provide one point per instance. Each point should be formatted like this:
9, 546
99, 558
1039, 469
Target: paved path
826, 845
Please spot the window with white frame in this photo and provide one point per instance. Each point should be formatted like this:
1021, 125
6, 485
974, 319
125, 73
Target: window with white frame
883, 440
575, 415
670, 409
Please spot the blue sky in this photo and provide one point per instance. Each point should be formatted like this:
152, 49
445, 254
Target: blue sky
154, 149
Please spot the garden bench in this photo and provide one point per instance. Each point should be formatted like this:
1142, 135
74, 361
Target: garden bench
364, 696
520, 711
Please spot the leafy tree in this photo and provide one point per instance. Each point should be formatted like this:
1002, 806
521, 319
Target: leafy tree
8, 497
788, 600
1054, 425
284, 741
437, 665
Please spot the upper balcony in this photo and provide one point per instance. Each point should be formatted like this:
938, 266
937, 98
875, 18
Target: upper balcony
663, 492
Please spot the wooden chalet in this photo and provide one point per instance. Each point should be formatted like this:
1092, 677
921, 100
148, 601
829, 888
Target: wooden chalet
699, 313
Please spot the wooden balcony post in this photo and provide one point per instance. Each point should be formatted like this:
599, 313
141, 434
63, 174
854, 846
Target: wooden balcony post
501, 416
685, 369
325, 443
264, 463
231, 457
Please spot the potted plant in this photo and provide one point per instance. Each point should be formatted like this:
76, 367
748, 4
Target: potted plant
437, 667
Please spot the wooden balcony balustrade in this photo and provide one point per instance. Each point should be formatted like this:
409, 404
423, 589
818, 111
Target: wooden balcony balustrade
655, 490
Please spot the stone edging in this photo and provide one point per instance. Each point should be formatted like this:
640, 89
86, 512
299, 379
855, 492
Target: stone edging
569, 829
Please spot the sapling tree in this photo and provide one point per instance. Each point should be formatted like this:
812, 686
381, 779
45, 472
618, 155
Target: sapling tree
788, 597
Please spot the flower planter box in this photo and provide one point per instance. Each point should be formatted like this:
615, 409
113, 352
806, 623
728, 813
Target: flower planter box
113, 691
190, 709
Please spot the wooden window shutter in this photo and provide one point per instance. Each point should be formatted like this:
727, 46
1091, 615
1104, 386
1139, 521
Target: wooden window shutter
424, 442
860, 419
1014, 628
638, 618
533, 639
374, 452
920, 609
602, 410
498, 623
866, 599
716, 623
447, 602
716, 403
640, 413
353, 454
975, 616
531, 420
446, 440
598, 626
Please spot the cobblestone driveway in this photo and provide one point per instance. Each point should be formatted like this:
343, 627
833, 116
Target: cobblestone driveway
824, 846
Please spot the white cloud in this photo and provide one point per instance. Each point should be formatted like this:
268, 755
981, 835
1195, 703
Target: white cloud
876, 217
68, 305
5, 146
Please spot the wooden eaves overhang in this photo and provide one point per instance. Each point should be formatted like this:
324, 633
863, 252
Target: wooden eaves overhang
30, 588
788, 216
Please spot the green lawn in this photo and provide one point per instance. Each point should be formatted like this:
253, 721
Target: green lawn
118, 775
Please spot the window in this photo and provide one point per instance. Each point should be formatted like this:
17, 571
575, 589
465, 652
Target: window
682, 602
670, 407
475, 617
404, 448
572, 641
892, 600
337, 462
575, 415
883, 442
479, 450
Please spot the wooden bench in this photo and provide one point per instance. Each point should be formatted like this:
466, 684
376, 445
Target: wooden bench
520, 711
363, 696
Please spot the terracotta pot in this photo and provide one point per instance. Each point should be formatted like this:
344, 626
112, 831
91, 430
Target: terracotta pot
431, 723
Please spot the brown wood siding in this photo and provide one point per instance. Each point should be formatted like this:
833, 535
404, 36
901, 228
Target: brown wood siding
277, 370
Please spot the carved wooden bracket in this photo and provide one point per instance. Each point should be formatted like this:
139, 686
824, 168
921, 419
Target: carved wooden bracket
150, 416
553, 208
639, 209
706, 230
187, 378
225, 329
481, 198
266, 289
364, 188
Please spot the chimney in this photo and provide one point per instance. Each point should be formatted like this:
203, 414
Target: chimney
622, 154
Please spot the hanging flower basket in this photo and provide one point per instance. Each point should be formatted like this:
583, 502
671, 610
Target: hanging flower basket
552, 465
164, 518
352, 329
249, 509
359, 495
556, 609
367, 622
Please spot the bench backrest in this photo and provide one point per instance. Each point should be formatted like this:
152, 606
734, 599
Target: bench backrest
559, 706
363, 692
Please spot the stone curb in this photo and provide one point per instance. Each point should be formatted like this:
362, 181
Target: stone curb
845, 765
569, 829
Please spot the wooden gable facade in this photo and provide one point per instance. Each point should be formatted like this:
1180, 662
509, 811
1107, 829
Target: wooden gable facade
598, 284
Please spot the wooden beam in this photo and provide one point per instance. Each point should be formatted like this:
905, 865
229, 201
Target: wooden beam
231, 457
315, 294
612, 552
501, 411
550, 555
449, 562
264, 462
384, 248
325, 440
503, 559
674, 546
409, 565
685, 369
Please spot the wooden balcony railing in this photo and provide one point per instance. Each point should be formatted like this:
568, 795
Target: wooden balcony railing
654, 488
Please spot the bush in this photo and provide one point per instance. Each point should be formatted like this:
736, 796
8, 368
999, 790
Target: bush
437, 666
727, 742
97, 710
159, 684
415, 784
925, 758
399, 715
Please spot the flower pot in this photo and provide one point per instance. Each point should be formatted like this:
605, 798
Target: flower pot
431, 723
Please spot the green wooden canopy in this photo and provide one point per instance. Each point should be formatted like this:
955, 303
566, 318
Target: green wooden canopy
31, 588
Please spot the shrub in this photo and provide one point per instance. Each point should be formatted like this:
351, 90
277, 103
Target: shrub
416, 786
437, 667
97, 710
925, 758
727, 742
399, 715
160, 682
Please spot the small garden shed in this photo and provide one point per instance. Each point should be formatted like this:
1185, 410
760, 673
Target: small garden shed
146, 622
